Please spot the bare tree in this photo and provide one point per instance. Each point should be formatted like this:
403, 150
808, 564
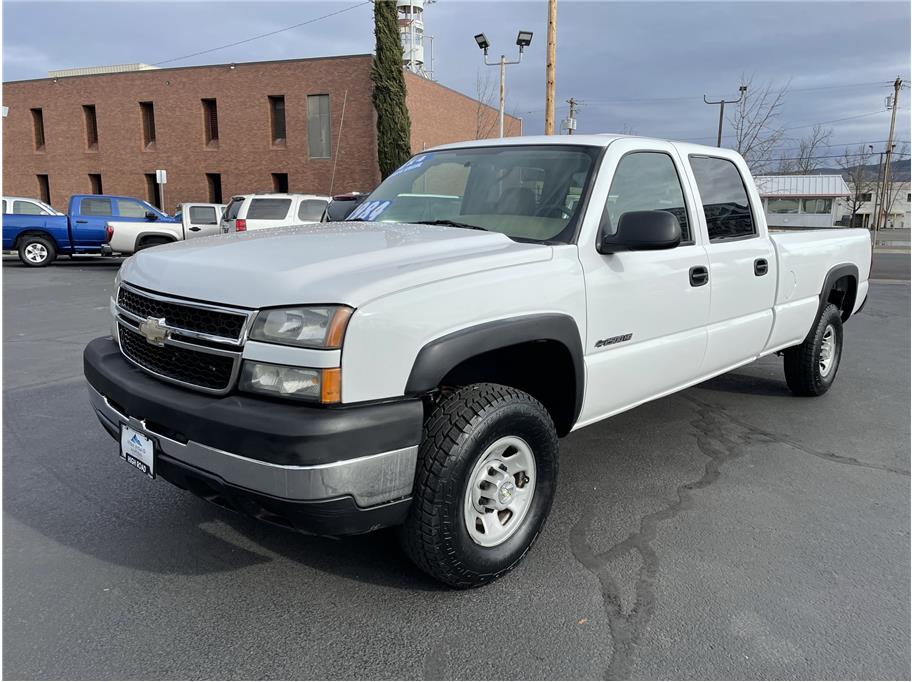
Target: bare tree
861, 180
806, 161
756, 122
486, 116
628, 129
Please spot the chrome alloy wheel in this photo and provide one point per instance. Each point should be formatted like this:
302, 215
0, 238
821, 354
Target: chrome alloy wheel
36, 253
500, 491
827, 351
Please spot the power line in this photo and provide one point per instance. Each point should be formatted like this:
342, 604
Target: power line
683, 98
264, 35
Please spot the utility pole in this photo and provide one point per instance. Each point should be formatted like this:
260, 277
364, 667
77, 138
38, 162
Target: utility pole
549, 67
570, 122
722, 103
885, 190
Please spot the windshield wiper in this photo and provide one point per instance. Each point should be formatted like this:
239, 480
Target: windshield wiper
450, 223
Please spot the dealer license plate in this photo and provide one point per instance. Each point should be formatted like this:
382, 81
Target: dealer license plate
138, 450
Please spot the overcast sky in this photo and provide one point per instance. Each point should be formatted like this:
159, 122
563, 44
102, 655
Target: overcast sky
641, 66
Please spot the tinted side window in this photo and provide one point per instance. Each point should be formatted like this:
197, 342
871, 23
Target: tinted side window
131, 209
27, 207
95, 206
645, 181
725, 202
268, 209
311, 209
204, 215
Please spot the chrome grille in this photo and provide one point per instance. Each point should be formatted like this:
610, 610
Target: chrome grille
202, 343
194, 318
178, 363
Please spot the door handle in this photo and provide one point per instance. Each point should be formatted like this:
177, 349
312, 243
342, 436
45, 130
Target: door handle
761, 267
699, 275
82, 221
194, 229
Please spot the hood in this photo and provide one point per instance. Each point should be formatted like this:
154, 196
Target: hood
349, 263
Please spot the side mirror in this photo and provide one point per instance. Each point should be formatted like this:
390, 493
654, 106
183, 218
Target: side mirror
151, 216
642, 231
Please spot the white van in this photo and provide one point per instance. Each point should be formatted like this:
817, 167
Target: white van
260, 211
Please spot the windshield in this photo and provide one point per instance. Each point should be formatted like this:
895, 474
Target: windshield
529, 193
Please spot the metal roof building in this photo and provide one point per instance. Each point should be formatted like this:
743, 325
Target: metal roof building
800, 200
801, 186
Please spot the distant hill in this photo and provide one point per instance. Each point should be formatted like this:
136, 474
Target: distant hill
899, 171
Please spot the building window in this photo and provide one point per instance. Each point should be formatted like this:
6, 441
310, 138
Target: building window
318, 126
214, 181
280, 183
147, 110
277, 119
865, 196
38, 125
210, 122
153, 193
909, 196
91, 126
95, 183
44, 189
782, 206
817, 206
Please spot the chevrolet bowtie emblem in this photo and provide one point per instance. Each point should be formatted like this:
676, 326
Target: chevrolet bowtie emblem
155, 330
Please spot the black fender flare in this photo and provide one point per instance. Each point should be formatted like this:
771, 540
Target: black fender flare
835, 273
441, 355
151, 233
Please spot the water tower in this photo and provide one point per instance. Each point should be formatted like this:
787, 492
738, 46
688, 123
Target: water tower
411, 33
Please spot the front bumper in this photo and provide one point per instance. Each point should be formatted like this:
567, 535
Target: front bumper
333, 471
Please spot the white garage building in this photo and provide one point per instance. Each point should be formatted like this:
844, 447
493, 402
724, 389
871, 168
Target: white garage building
801, 200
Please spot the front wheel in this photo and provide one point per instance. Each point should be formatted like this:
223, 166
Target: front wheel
486, 477
810, 368
36, 251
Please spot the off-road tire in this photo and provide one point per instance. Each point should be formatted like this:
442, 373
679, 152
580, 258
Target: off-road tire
802, 363
36, 240
457, 433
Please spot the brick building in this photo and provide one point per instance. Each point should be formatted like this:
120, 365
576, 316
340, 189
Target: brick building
300, 125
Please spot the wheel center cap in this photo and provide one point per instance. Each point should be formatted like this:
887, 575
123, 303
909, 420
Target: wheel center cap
505, 492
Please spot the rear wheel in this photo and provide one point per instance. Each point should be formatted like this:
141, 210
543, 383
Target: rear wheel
810, 368
36, 251
486, 476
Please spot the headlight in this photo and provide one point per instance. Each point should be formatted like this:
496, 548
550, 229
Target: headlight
319, 385
320, 327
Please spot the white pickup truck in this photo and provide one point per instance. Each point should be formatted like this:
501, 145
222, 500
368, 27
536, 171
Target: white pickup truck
191, 221
416, 365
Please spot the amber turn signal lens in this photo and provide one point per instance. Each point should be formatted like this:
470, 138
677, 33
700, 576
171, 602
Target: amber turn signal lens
337, 326
331, 385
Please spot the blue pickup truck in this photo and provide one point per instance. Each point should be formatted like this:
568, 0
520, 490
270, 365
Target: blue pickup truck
40, 238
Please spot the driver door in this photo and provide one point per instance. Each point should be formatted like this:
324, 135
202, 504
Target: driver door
647, 311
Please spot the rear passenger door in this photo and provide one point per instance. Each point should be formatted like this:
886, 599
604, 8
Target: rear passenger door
742, 264
201, 221
646, 312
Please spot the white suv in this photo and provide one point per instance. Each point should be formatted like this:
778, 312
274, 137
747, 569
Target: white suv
261, 211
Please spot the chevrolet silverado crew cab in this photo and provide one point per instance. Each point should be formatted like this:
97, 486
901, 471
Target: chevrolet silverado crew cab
415, 365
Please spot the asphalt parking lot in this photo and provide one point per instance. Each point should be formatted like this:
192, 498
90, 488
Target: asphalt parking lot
729, 531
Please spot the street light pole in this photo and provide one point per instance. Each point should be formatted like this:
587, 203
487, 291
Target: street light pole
722, 103
523, 39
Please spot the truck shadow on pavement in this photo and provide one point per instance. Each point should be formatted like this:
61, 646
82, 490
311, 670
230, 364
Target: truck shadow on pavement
101, 508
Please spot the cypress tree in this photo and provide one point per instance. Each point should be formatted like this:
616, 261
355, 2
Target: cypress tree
393, 125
